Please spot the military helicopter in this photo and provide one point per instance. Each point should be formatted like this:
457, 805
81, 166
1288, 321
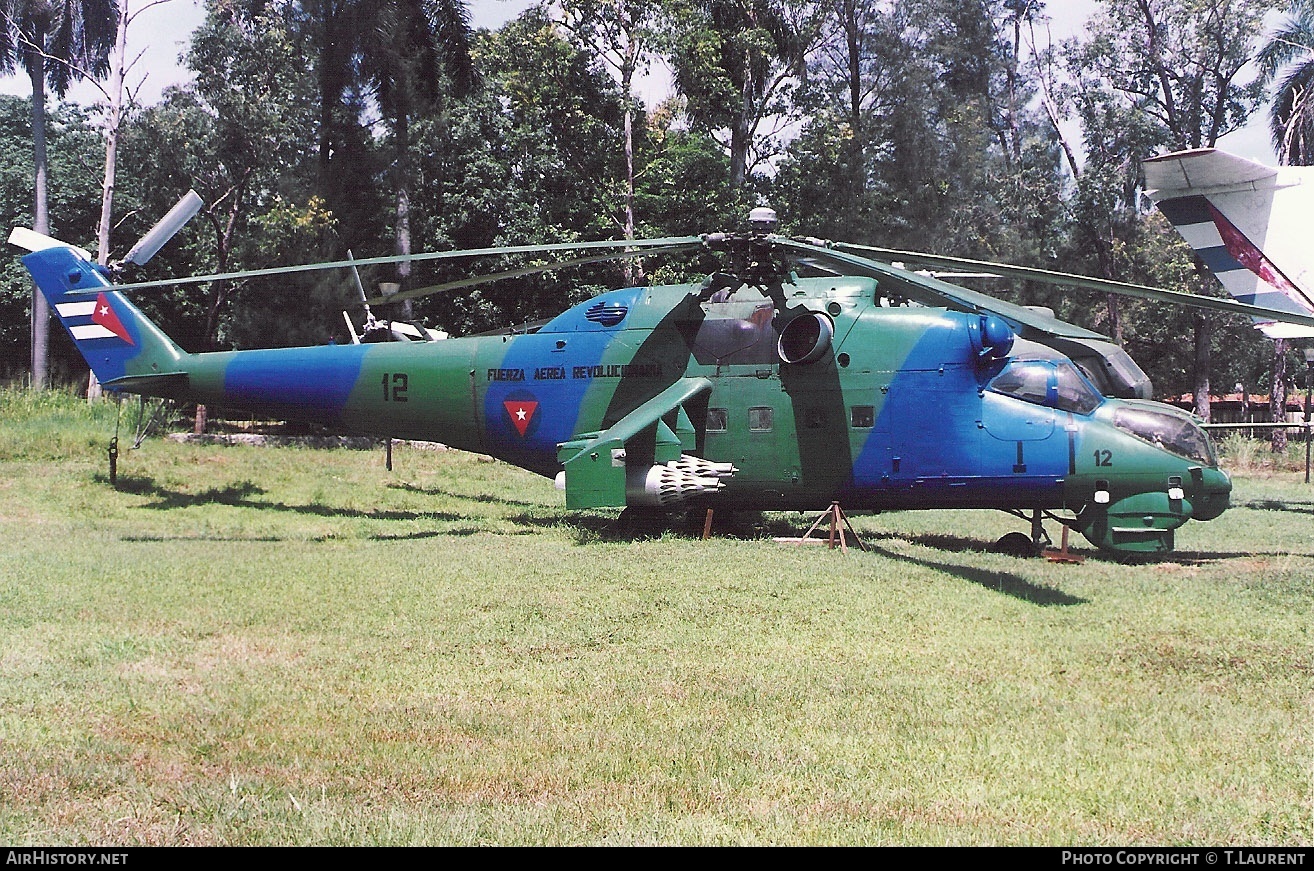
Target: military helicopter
864, 383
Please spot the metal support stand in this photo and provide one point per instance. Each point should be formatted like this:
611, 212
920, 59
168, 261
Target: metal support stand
114, 462
388, 442
1061, 555
838, 523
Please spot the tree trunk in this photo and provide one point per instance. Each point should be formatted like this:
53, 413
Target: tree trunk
633, 269
402, 138
41, 219
113, 120
1277, 401
1203, 333
740, 133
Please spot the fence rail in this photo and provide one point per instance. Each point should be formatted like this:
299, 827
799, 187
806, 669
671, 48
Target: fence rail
1306, 427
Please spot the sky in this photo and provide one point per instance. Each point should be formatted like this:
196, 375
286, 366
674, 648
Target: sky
160, 33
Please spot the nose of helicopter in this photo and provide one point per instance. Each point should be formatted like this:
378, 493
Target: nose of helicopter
1212, 494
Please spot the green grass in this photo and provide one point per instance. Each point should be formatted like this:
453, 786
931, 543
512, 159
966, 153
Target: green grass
287, 646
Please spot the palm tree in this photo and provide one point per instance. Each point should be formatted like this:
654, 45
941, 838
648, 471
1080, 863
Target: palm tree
1290, 51
404, 57
393, 52
56, 42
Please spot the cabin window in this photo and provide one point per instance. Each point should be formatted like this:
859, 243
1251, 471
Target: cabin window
863, 416
761, 419
1056, 384
718, 420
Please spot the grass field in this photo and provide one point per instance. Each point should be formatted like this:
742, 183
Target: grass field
292, 646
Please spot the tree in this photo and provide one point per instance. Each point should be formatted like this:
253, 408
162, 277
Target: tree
393, 58
114, 110
415, 48
620, 33
237, 136
1289, 52
921, 137
532, 156
861, 76
56, 42
737, 63
1180, 66
76, 148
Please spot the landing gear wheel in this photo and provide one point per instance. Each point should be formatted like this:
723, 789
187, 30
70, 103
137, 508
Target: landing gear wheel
642, 522
1017, 544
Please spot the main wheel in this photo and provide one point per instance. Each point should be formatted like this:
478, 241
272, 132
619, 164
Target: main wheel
1017, 544
642, 522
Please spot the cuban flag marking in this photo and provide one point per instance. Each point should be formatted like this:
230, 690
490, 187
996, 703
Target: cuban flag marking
93, 320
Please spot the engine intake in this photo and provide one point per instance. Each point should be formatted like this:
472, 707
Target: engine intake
806, 338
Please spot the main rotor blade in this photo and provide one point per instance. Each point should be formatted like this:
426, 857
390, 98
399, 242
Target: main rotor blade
423, 256
932, 291
522, 271
1067, 279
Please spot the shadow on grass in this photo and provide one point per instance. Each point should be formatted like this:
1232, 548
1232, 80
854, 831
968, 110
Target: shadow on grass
592, 528
1000, 582
1276, 505
633, 525
1209, 557
410, 536
485, 498
233, 494
239, 496
960, 544
175, 538
585, 527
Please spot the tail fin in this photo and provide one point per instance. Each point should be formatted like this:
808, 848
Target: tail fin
1248, 223
125, 349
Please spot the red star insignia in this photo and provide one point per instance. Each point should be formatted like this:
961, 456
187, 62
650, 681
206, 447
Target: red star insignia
521, 412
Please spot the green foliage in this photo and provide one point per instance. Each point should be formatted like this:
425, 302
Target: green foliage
533, 156
76, 154
737, 64
917, 127
1148, 78
928, 147
1285, 56
237, 137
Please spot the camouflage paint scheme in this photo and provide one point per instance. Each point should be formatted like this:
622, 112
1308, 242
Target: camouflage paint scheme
885, 406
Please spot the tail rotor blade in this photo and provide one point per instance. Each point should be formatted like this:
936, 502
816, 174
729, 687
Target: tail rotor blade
150, 244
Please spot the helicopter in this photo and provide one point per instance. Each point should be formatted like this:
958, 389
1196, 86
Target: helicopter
804, 374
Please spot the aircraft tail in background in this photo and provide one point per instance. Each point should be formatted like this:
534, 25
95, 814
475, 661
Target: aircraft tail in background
1248, 222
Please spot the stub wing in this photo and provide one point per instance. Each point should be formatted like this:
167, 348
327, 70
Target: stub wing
1247, 223
647, 457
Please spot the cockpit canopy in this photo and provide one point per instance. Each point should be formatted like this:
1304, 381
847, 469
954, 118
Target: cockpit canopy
1052, 383
1178, 435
